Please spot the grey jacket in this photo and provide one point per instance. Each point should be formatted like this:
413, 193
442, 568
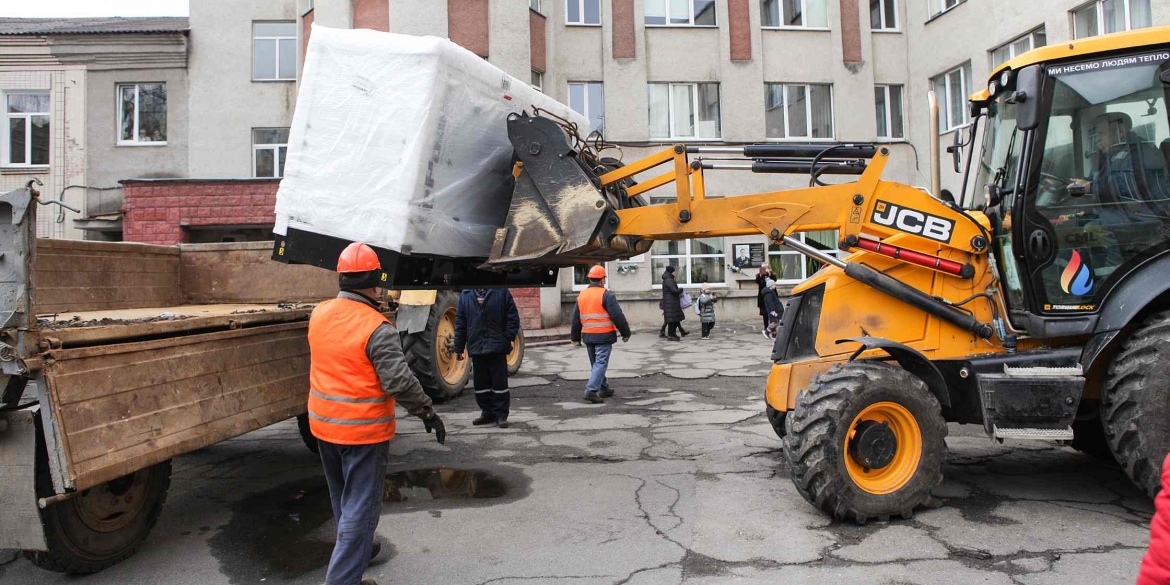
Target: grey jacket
707, 307
384, 348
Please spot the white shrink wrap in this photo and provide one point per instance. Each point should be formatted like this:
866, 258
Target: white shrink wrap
401, 142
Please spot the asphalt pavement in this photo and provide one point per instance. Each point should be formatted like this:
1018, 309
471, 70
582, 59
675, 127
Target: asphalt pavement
677, 479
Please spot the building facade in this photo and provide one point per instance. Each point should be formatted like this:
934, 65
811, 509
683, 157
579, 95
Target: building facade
649, 73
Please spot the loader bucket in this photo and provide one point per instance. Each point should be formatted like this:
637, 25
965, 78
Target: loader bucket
559, 216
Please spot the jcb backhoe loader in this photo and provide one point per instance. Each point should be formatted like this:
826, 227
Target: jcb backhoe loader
1037, 305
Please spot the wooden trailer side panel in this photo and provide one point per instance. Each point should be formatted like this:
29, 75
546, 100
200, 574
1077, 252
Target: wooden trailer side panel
124, 407
74, 275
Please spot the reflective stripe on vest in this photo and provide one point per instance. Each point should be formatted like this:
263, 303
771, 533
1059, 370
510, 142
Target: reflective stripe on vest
591, 306
347, 404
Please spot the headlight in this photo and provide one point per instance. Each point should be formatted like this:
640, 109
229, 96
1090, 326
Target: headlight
1005, 78
992, 88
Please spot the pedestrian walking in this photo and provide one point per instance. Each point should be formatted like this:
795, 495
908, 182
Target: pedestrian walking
1155, 568
597, 320
357, 374
774, 308
672, 310
762, 277
706, 304
486, 325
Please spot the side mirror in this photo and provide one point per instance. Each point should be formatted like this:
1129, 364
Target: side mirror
1027, 98
956, 150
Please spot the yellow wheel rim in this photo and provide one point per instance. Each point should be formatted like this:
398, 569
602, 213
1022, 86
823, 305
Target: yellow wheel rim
514, 355
451, 369
897, 473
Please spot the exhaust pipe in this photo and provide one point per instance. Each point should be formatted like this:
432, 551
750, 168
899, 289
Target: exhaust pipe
935, 152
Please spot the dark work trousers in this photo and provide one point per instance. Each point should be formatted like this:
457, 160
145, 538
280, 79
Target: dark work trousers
707, 328
491, 385
355, 474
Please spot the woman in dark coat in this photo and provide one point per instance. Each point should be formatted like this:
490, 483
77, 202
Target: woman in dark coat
762, 280
672, 311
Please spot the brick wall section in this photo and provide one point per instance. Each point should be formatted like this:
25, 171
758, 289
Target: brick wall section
624, 35
155, 212
739, 29
850, 32
528, 303
372, 14
537, 42
467, 25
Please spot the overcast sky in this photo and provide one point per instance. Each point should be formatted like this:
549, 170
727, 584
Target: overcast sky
60, 8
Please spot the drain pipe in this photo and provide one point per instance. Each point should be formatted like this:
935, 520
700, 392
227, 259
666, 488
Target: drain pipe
935, 171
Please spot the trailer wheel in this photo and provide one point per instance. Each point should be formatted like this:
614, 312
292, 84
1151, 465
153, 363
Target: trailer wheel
516, 356
104, 524
776, 418
431, 355
1136, 404
866, 441
307, 433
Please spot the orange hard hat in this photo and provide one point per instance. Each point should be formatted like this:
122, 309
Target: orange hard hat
598, 271
358, 257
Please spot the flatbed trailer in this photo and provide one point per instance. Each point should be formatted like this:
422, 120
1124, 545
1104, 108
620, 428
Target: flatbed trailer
117, 357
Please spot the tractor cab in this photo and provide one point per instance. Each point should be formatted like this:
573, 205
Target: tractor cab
1075, 176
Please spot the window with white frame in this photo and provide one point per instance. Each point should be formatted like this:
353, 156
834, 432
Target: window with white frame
794, 13
798, 110
274, 51
790, 266
883, 14
534, 4
695, 261
887, 101
1018, 46
1110, 16
951, 89
26, 130
538, 81
585, 98
684, 110
938, 7
581, 275
269, 148
680, 12
582, 11
142, 113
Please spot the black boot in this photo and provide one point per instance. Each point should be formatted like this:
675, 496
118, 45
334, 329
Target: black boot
484, 420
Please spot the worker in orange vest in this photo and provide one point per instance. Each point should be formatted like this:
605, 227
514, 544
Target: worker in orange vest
597, 319
358, 371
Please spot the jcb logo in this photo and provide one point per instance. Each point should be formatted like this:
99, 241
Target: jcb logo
913, 222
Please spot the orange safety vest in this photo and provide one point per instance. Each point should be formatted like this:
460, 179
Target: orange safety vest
594, 318
347, 405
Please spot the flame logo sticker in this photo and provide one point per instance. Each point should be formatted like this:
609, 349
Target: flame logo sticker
1077, 279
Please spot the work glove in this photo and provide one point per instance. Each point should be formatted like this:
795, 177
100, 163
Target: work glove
436, 424
625, 339
459, 356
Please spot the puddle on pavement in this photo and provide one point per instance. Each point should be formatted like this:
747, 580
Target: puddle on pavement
287, 532
442, 484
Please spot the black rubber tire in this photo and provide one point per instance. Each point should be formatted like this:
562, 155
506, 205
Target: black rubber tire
1089, 438
514, 367
420, 352
1136, 403
307, 433
76, 548
776, 418
817, 430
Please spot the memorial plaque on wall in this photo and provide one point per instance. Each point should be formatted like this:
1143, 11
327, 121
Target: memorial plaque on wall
747, 255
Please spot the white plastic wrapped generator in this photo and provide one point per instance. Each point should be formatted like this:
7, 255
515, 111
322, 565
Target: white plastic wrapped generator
401, 142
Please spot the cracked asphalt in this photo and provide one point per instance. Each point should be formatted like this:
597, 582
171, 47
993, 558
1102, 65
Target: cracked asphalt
677, 479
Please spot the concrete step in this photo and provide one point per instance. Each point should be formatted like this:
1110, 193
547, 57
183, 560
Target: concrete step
546, 337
